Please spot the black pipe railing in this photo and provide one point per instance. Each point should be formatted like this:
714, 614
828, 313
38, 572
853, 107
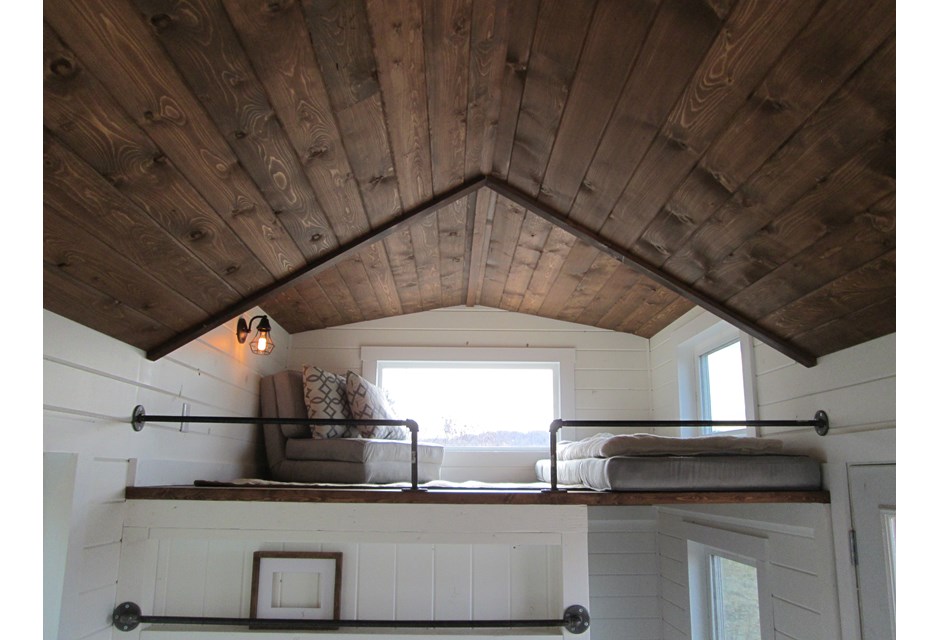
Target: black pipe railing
820, 423
139, 418
127, 616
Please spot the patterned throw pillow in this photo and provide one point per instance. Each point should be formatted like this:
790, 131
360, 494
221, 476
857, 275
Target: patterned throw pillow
368, 402
325, 397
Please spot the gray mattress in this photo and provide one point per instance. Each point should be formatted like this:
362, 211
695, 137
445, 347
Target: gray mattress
688, 473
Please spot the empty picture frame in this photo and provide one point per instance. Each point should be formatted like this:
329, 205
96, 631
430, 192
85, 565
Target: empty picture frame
296, 585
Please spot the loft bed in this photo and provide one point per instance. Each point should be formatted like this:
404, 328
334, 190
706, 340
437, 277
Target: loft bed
626, 469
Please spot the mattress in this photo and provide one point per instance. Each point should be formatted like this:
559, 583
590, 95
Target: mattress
688, 473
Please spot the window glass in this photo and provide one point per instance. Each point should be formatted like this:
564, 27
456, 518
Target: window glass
475, 404
721, 382
735, 611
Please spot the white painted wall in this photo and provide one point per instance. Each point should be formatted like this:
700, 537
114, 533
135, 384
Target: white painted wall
611, 369
91, 384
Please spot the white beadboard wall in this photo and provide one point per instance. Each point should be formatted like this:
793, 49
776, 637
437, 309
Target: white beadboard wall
611, 369
91, 383
400, 562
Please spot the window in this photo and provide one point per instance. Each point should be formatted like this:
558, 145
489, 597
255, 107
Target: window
728, 599
734, 607
474, 397
721, 386
715, 364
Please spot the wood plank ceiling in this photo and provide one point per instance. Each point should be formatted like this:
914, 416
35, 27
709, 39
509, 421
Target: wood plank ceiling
608, 162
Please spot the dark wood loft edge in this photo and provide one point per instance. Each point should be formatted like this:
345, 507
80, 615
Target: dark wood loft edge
472, 497
623, 255
322, 262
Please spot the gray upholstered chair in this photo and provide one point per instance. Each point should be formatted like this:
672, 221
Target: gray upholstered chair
294, 456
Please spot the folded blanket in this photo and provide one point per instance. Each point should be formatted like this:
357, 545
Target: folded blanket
606, 445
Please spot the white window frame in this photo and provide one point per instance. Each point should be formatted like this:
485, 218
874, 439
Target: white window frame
688, 359
703, 542
563, 357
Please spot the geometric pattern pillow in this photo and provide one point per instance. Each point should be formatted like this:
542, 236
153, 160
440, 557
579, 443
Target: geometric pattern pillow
325, 397
369, 402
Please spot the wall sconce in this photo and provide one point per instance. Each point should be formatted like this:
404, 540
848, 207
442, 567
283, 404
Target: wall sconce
262, 344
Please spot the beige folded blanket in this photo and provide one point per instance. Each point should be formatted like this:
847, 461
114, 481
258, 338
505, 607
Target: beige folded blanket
606, 445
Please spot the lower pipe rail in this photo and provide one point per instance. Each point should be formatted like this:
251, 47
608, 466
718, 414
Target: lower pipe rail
127, 616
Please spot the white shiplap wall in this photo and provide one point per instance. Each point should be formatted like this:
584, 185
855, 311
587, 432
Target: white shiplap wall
91, 383
611, 369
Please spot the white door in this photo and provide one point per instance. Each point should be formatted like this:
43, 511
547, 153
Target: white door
872, 501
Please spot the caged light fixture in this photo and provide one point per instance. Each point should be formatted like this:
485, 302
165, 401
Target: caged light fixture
262, 344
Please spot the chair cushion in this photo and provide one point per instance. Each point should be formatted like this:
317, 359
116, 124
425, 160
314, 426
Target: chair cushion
325, 397
368, 402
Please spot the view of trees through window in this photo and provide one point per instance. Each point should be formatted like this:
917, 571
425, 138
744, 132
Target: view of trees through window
735, 609
475, 404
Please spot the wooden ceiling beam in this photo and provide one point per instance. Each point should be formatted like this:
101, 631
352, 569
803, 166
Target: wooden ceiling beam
623, 255
482, 230
320, 263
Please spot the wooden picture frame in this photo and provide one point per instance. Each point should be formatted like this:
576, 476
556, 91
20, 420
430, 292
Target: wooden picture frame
296, 585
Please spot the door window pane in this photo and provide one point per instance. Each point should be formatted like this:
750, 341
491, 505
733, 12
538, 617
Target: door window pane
735, 608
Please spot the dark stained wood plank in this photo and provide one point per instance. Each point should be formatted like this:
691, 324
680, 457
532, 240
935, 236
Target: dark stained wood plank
556, 249
76, 301
614, 39
848, 192
556, 46
399, 47
507, 224
752, 39
525, 260
198, 36
320, 304
334, 287
277, 42
339, 30
522, 17
398, 40
870, 284
483, 211
862, 111
489, 40
792, 91
354, 275
646, 310
627, 303
446, 28
594, 280
466, 497
846, 247
571, 275
88, 200
292, 311
679, 37
72, 250
340, 34
621, 281
81, 113
452, 224
111, 39
868, 323
666, 316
